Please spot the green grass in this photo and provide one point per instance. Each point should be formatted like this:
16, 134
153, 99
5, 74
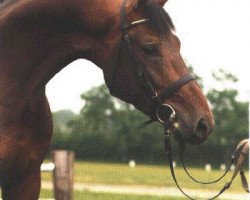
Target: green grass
106, 196
45, 193
121, 174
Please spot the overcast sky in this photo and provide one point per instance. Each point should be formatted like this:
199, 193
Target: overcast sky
214, 34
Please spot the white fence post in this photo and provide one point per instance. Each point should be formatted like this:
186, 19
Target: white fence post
63, 174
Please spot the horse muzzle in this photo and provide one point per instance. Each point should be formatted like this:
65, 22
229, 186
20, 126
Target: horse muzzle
166, 115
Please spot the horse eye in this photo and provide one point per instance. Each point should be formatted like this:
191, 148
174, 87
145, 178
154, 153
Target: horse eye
150, 50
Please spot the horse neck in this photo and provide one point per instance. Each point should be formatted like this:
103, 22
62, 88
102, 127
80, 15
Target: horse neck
33, 49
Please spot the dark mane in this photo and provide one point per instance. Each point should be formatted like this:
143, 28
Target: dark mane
158, 17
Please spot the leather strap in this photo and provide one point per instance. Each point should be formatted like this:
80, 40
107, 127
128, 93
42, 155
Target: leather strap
239, 154
175, 86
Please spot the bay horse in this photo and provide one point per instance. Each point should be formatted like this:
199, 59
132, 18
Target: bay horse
132, 41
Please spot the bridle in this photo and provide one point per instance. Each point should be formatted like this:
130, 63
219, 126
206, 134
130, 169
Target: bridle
139, 73
159, 97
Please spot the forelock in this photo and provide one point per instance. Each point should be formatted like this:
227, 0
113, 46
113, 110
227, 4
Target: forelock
158, 18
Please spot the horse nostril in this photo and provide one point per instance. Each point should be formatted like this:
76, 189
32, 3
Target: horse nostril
202, 128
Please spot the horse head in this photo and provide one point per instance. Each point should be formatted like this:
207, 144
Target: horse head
143, 59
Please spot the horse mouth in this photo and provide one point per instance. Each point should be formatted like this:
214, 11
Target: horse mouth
184, 135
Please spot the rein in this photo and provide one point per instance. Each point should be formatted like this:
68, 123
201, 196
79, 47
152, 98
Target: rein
181, 155
238, 157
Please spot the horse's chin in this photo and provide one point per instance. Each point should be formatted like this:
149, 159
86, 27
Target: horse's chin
187, 137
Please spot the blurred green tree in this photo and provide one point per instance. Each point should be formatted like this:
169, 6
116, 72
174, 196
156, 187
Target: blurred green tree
231, 115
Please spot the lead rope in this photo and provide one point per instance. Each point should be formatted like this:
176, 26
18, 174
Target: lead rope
241, 148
